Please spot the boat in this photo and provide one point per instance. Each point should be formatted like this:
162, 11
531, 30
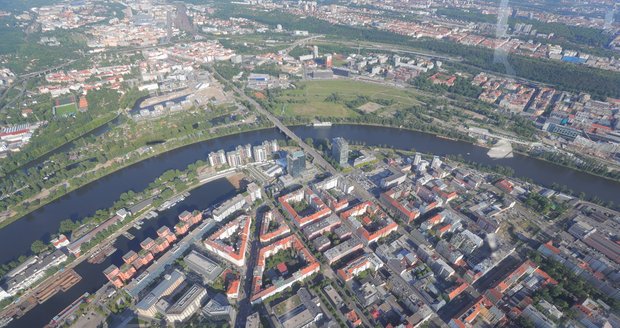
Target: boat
101, 254
128, 235
150, 215
68, 311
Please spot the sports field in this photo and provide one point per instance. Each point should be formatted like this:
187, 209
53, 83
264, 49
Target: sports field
65, 110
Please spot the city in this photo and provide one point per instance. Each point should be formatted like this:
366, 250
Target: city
310, 164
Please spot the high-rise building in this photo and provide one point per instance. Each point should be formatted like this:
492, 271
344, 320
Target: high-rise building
416, 159
329, 62
260, 154
315, 51
436, 163
233, 158
244, 153
271, 146
217, 158
296, 163
340, 150
213, 159
274, 146
248, 151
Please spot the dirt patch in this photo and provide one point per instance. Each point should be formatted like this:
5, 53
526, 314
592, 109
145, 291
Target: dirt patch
236, 180
370, 107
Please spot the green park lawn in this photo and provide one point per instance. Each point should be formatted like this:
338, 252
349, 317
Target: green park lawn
309, 100
66, 110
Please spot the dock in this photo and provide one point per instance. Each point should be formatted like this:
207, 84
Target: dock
101, 254
61, 282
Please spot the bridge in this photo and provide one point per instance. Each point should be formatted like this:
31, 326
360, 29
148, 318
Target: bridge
317, 158
301, 42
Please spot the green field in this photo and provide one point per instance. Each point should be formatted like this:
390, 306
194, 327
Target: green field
309, 99
65, 110
287, 305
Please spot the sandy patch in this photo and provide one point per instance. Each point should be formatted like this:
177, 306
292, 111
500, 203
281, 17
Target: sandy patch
502, 149
370, 107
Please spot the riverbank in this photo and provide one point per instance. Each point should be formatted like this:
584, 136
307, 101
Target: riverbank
50, 151
124, 165
114, 233
565, 166
513, 151
17, 216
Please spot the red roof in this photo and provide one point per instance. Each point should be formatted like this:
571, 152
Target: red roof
553, 249
504, 184
233, 288
282, 267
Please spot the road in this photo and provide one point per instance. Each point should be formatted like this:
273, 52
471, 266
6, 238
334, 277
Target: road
112, 238
329, 272
399, 49
317, 158
323, 164
245, 306
301, 42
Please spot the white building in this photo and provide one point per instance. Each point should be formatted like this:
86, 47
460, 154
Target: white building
228, 207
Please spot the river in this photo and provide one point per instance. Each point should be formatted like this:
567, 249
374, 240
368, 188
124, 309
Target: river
16, 238
92, 274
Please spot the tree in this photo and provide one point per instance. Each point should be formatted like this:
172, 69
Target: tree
38, 247
66, 226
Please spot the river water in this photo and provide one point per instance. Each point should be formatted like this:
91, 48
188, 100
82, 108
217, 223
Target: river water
16, 238
92, 274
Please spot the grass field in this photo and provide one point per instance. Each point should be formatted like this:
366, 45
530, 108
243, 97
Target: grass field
65, 110
287, 305
309, 99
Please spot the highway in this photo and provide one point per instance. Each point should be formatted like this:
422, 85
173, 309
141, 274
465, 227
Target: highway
301, 42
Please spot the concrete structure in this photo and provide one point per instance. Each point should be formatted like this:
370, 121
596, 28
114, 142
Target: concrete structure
335, 191
218, 308
202, 265
253, 321
228, 207
341, 250
186, 305
539, 319
296, 163
320, 227
33, 272
392, 180
260, 153
147, 307
340, 151
217, 158
305, 314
